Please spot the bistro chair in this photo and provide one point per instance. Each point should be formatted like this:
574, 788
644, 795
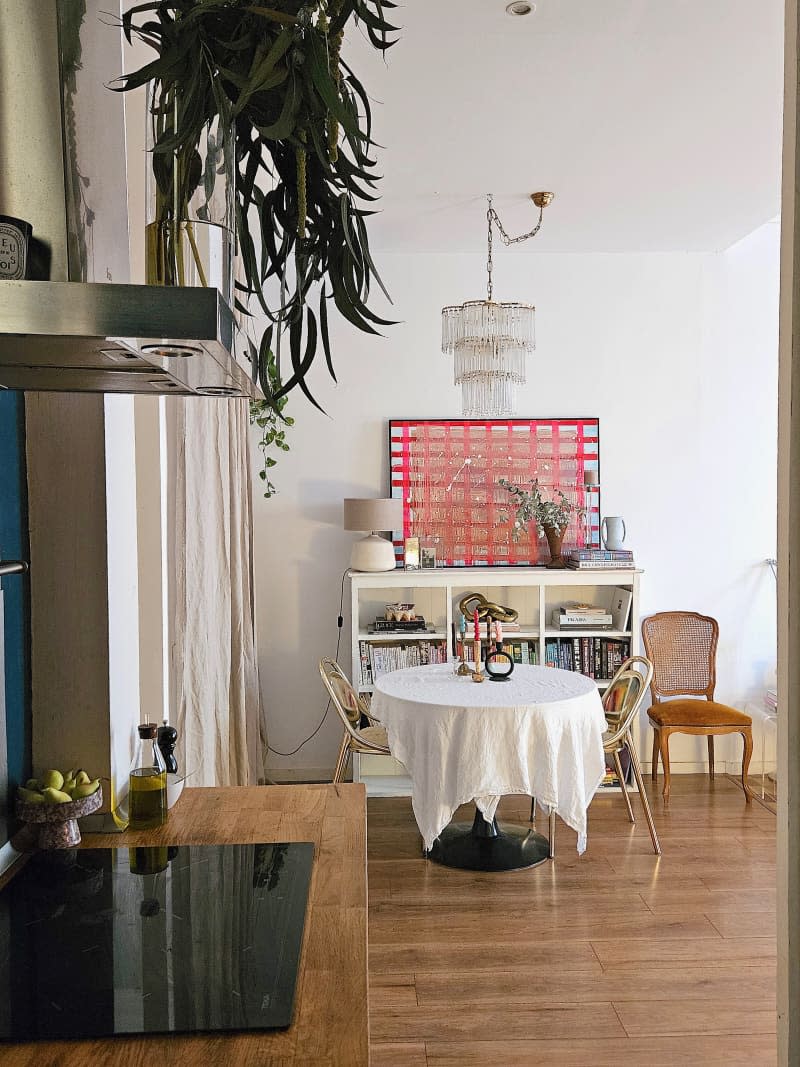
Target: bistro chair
682, 646
351, 707
621, 703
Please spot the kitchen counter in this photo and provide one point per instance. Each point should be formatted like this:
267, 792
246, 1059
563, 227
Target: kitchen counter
330, 1027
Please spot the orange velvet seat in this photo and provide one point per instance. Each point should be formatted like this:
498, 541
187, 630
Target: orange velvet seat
682, 646
696, 713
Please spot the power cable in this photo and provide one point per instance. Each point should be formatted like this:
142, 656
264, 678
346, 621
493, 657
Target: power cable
339, 624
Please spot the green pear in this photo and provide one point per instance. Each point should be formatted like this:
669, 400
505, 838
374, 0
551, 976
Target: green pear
33, 783
30, 796
69, 785
52, 779
55, 796
82, 778
85, 789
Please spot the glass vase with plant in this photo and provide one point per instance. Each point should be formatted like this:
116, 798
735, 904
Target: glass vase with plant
550, 516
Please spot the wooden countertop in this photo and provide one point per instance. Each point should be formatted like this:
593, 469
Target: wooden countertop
330, 1027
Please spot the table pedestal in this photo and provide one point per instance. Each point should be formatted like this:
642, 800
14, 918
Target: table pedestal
484, 846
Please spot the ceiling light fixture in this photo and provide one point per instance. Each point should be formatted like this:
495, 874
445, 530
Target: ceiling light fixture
520, 7
489, 341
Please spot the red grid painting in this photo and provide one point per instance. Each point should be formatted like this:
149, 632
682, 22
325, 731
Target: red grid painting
447, 472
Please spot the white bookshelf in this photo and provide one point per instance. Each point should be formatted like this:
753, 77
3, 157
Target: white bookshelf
532, 591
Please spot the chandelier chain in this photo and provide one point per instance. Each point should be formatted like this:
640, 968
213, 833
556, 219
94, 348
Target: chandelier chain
489, 247
493, 217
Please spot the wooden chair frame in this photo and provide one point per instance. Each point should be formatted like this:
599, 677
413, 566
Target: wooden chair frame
350, 707
660, 689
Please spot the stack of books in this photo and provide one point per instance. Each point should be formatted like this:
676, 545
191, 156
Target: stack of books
582, 617
599, 559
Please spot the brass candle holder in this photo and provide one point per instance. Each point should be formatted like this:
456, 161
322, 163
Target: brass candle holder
463, 668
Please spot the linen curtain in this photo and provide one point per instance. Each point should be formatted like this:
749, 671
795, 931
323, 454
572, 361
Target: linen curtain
213, 664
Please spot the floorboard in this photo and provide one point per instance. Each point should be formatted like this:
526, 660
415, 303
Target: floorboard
613, 956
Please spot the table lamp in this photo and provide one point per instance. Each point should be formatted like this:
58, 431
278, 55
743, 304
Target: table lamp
373, 553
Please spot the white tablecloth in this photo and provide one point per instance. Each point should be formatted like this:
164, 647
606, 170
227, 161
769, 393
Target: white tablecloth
540, 733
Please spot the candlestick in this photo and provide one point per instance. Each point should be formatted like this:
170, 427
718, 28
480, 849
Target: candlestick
462, 623
477, 674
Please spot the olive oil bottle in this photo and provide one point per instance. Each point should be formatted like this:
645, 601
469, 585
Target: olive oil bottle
147, 795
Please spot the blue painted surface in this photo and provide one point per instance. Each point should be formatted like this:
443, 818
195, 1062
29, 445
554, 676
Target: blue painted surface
14, 545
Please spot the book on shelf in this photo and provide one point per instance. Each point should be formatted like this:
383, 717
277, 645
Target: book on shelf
621, 600
589, 554
599, 564
563, 617
596, 657
378, 659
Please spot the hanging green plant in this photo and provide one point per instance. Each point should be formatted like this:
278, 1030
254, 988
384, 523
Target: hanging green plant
302, 140
272, 424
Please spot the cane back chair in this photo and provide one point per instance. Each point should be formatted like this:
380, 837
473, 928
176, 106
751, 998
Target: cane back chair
682, 646
350, 708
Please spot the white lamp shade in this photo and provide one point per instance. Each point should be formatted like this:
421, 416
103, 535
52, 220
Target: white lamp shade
373, 515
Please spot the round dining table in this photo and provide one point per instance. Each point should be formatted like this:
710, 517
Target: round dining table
539, 733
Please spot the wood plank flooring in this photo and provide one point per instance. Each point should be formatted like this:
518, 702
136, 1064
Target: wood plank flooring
614, 956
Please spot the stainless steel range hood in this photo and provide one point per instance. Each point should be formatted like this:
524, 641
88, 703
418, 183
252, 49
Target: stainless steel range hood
121, 339
62, 143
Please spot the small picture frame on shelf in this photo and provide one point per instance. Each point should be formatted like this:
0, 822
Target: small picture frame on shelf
427, 559
411, 553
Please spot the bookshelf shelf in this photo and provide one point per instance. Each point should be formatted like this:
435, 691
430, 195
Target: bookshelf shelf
532, 591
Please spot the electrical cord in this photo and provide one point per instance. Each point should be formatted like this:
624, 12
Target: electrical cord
339, 624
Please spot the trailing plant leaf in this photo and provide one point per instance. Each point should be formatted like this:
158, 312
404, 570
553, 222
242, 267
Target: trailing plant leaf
272, 423
300, 115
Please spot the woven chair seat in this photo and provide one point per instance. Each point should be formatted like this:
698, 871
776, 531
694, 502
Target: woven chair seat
685, 712
376, 735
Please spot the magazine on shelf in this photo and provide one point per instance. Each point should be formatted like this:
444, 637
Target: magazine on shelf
621, 600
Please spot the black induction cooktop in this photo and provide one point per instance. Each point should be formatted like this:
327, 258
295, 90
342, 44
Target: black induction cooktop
95, 942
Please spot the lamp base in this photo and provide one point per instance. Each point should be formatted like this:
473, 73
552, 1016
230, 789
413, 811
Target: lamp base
372, 553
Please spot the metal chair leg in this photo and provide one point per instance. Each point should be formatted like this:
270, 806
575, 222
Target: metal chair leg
552, 834
637, 771
623, 787
341, 760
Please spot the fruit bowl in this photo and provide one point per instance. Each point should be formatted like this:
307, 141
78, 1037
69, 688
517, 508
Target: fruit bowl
56, 824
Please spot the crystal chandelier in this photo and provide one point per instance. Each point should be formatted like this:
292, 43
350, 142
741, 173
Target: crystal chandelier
489, 341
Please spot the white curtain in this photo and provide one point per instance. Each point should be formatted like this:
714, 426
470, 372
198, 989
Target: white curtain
214, 668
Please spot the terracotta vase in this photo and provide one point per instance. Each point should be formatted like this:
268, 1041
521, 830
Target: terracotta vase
555, 536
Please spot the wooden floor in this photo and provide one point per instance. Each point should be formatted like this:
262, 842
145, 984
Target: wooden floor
613, 957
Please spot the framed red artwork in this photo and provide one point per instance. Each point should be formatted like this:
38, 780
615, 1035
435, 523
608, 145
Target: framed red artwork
447, 473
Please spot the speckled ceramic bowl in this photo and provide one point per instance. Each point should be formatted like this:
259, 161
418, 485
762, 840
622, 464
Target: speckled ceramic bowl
56, 824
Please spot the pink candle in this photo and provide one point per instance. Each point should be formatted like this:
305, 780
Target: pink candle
477, 623
498, 632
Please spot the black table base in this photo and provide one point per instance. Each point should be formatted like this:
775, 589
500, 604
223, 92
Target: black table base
485, 846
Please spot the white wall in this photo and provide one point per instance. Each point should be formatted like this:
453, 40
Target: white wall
676, 355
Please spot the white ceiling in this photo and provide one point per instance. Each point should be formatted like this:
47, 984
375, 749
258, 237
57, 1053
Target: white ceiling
656, 122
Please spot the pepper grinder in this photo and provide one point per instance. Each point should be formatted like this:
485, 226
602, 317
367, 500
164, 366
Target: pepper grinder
166, 740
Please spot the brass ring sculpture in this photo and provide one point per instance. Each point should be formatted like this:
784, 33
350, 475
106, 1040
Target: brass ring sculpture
472, 602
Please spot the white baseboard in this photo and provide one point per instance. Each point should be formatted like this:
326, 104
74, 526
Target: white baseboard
290, 775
